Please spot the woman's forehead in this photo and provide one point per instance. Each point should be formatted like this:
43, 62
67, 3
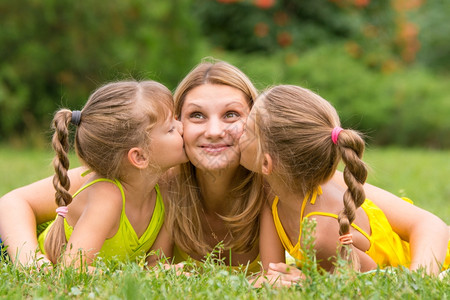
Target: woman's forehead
215, 94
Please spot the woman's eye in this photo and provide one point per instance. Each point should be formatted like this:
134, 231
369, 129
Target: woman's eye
232, 114
196, 115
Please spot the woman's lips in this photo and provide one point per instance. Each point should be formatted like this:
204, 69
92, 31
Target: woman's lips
214, 148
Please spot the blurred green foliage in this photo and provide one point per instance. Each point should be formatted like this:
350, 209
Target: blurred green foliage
246, 27
373, 29
407, 107
434, 35
384, 64
363, 56
56, 52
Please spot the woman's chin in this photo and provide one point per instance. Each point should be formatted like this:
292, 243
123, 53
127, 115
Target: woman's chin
216, 166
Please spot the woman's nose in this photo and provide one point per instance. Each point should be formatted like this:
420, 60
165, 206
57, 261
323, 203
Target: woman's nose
215, 128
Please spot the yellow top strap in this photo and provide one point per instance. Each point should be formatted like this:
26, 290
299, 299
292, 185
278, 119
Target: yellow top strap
316, 192
279, 227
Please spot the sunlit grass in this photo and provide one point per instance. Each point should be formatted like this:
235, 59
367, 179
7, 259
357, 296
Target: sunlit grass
419, 174
22, 166
213, 281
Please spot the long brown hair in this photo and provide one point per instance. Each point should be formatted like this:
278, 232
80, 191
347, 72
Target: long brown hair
245, 199
116, 117
295, 125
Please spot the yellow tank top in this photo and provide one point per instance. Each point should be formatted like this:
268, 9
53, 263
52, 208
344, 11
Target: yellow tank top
386, 246
125, 244
180, 256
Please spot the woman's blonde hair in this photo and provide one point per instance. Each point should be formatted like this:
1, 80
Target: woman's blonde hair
184, 213
116, 117
295, 126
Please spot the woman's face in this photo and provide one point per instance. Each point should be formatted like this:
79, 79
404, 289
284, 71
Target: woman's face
213, 117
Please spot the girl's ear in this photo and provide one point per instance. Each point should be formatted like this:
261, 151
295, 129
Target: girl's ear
267, 164
138, 158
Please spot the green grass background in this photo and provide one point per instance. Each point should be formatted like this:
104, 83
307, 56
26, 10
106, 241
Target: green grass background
419, 174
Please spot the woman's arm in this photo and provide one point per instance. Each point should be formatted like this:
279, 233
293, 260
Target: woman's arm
23, 208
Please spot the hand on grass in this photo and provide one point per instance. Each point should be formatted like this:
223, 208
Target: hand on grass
277, 275
281, 274
178, 269
42, 263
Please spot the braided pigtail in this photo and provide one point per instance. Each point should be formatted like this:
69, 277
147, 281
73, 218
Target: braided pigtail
351, 147
56, 237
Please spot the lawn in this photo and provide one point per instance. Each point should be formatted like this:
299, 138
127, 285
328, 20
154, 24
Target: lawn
419, 174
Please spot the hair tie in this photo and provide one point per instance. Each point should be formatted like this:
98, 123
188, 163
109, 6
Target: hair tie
346, 239
62, 211
335, 134
76, 117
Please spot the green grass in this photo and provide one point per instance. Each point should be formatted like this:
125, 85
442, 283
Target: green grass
419, 174
22, 166
212, 281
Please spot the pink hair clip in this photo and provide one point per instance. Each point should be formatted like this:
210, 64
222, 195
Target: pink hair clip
335, 134
62, 211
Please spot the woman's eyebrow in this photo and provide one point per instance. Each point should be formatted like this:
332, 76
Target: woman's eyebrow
234, 103
194, 105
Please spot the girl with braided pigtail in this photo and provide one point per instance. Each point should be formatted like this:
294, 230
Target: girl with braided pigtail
293, 137
127, 137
